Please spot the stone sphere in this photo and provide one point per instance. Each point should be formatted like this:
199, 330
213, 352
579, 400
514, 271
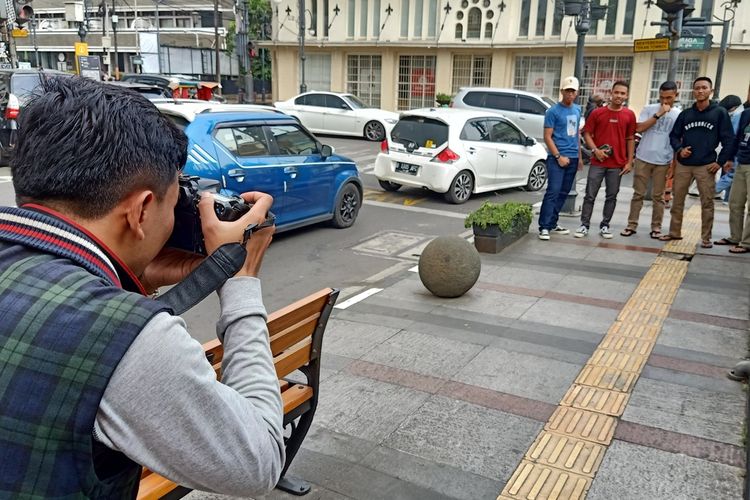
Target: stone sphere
449, 266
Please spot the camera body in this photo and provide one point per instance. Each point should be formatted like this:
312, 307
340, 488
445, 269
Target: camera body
187, 233
606, 149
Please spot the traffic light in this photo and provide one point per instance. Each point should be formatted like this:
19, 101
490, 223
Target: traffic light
671, 6
24, 11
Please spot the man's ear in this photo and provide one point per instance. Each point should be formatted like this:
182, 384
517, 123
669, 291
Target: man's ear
139, 206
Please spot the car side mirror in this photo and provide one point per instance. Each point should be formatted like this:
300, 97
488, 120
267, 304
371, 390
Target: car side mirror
530, 141
344, 106
326, 151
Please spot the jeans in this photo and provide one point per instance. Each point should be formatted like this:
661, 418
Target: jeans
559, 182
611, 177
725, 182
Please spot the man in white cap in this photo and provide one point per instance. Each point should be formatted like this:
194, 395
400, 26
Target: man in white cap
561, 123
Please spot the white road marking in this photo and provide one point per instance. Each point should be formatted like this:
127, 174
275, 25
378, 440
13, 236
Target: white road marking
422, 210
357, 298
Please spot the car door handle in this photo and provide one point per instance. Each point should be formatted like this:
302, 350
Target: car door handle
292, 171
471, 150
502, 153
236, 172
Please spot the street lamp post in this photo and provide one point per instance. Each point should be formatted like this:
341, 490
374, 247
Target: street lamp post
301, 35
114, 20
158, 34
729, 8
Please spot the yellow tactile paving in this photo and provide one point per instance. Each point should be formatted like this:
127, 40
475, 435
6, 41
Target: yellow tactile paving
618, 360
607, 378
596, 399
564, 458
534, 481
566, 453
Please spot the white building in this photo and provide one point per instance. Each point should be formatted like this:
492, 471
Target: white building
397, 54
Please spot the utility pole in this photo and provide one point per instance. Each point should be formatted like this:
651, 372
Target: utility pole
675, 28
249, 82
728, 18
158, 34
115, 19
33, 40
585, 13
301, 35
216, 44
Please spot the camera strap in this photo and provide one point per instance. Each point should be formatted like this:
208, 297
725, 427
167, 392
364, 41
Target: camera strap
210, 274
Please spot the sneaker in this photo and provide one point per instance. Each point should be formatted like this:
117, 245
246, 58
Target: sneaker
560, 230
581, 232
605, 232
544, 234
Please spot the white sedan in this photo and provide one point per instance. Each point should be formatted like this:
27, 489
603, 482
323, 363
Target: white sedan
341, 114
459, 152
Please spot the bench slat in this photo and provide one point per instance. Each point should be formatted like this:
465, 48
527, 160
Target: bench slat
154, 486
295, 396
297, 311
293, 334
293, 358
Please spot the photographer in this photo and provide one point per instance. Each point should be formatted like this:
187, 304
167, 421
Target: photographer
98, 378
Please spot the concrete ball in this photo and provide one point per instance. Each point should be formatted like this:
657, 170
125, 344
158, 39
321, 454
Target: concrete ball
449, 266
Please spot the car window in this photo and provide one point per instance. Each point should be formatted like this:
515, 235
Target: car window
474, 99
292, 140
502, 131
181, 122
505, 102
356, 102
23, 85
243, 140
475, 130
301, 100
530, 105
316, 100
334, 101
425, 132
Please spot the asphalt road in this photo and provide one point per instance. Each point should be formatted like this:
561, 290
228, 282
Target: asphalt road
388, 235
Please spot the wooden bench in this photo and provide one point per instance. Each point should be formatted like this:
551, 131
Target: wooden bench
296, 334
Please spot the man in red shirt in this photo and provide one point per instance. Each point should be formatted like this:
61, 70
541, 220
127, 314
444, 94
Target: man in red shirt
609, 133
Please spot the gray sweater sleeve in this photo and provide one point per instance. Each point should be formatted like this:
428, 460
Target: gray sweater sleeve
165, 410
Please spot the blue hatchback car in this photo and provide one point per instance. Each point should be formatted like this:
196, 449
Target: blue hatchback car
256, 149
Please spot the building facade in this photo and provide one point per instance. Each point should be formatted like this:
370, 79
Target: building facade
398, 54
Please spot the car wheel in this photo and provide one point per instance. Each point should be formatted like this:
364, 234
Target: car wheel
537, 177
347, 206
374, 131
389, 186
461, 188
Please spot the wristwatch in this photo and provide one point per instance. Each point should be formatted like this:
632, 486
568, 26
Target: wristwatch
656, 116
557, 156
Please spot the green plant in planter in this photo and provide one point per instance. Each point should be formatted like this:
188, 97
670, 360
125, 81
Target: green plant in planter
443, 99
507, 216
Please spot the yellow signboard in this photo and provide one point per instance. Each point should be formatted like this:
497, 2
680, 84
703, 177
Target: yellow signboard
19, 33
651, 45
81, 49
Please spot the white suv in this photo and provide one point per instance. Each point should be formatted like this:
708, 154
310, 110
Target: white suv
459, 152
524, 108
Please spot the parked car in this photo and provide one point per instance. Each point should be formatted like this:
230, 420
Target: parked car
337, 113
150, 92
16, 87
264, 150
459, 152
524, 108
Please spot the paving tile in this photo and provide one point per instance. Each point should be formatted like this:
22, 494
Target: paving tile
365, 408
583, 317
702, 338
617, 257
448, 480
532, 481
566, 453
352, 339
469, 437
335, 444
528, 277
728, 306
635, 472
507, 305
600, 288
521, 374
713, 266
705, 413
425, 354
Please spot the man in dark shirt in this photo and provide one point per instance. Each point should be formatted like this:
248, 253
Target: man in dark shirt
739, 197
695, 136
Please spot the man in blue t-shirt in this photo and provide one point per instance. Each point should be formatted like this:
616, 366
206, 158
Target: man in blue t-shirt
561, 124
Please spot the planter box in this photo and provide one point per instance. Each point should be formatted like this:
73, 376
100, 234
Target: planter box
493, 240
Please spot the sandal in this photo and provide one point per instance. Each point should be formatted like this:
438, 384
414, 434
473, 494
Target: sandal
655, 235
706, 244
739, 249
627, 232
669, 237
724, 241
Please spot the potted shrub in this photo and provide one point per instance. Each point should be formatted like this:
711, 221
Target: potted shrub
443, 99
497, 225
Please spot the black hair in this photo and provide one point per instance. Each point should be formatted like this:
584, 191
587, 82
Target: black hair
621, 83
87, 145
704, 79
667, 86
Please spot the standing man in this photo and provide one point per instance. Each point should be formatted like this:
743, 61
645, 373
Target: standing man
609, 133
653, 157
739, 197
561, 137
697, 133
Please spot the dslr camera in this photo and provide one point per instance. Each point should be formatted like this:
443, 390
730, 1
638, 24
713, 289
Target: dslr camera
187, 233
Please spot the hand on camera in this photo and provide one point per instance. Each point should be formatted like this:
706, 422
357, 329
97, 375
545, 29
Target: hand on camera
168, 268
217, 233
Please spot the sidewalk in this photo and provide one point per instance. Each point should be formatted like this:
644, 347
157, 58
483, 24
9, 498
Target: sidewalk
573, 368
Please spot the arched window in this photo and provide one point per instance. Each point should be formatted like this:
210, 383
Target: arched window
474, 27
459, 31
488, 31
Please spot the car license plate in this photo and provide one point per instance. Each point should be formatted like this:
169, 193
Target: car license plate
407, 168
